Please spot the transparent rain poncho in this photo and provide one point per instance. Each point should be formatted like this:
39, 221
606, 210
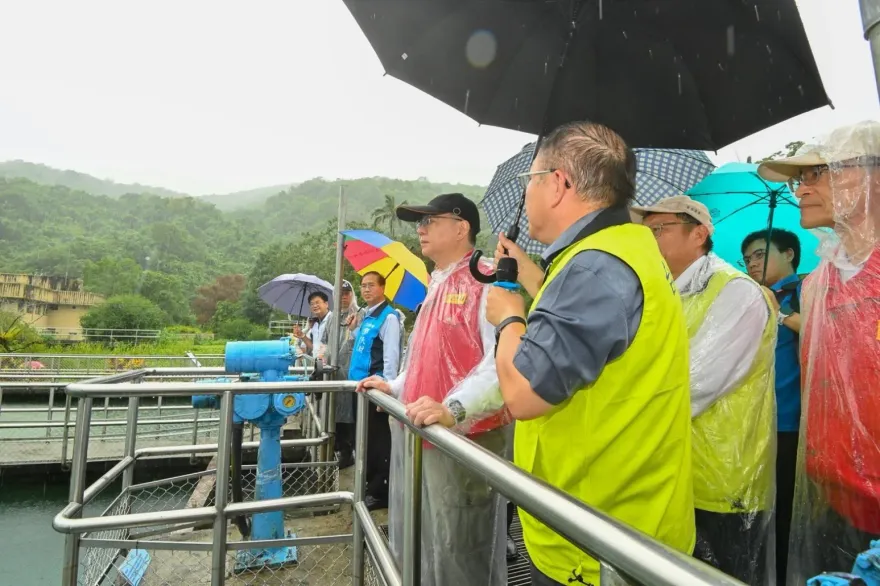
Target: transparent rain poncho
451, 355
837, 492
734, 430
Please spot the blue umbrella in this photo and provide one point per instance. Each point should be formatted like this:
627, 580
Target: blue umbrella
290, 293
660, 173
741, 202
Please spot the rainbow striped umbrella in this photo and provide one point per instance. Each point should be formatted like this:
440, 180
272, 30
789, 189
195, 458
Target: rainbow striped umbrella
406, 277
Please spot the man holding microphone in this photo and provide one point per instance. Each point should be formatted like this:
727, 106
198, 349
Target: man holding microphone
602, 408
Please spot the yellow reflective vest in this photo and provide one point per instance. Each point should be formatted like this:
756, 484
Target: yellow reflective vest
735, 438
623, 443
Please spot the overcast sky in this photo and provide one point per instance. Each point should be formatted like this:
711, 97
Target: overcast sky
212, 96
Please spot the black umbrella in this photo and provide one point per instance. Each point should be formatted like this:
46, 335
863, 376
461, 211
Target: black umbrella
689, 74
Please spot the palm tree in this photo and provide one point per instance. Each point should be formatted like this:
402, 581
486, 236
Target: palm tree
386, 215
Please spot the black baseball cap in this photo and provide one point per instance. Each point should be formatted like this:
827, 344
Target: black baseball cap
448, 203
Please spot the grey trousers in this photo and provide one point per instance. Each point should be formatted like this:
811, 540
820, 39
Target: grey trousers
464, 520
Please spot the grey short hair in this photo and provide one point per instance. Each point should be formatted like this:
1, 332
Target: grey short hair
598, 161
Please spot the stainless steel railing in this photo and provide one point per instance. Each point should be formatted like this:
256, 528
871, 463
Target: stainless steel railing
621, 550
40, 434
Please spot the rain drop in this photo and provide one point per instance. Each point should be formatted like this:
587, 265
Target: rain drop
467, 99
624, 35
600, 9
801, 89
651, 53
404, 56
679, 84
731, 38
769, 52
481, 48
721, 67
545, 67
757, 16
515, 103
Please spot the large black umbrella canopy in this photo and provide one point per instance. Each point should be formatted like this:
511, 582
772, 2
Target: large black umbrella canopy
690, 74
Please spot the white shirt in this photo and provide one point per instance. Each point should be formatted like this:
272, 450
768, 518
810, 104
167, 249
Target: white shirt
723, 349
479, 392
317, 334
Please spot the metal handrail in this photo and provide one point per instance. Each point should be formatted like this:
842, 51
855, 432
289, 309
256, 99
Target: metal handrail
616, 545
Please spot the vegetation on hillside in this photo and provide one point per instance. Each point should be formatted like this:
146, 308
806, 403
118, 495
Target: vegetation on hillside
187, 261
46, 175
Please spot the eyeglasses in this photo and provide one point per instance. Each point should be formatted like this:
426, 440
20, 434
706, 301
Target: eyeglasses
428, 220
525, 178
368, 286
657, 229
811, 175
757, 256
807, 176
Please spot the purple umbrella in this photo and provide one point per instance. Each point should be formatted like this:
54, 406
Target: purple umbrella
290, 293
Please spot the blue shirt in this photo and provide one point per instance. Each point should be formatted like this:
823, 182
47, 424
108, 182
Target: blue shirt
587, 316
788, 366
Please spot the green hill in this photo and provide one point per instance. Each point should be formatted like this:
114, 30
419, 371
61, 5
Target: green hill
165, 247
244, 199
54, 229
78, 181
310, 204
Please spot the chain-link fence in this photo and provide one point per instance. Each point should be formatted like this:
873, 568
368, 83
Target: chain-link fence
325, 564
297, 479
323, 560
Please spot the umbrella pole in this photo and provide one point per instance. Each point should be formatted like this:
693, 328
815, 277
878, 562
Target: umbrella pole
333, 339
513, 232
870, 21
773, 197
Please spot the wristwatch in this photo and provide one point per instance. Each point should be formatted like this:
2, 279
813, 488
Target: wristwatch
780, 317
457, 411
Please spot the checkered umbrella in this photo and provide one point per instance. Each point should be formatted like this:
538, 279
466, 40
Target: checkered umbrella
660, 173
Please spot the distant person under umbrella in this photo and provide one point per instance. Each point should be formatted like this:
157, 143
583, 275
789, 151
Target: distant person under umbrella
780, 261
376, 353
319, 304
345, 404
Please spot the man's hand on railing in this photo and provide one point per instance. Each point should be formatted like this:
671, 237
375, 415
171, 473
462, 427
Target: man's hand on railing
376, 383
426, 411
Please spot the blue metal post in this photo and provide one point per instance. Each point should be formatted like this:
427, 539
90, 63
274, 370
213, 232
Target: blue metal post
268, 412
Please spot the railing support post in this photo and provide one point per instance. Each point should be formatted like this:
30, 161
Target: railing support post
130, 440
358, 571
412, 509
66, 432
70, 569
221, 490
49, 412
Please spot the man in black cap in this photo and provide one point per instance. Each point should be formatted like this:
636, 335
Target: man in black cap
450, 378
